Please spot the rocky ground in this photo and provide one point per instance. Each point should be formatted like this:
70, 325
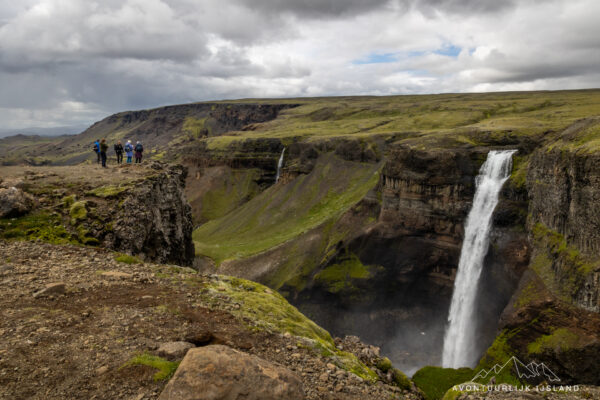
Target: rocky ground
73, 319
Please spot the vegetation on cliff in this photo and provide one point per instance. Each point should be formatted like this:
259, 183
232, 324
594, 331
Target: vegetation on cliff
283, 212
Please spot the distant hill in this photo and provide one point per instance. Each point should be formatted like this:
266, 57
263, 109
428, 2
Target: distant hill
421, 121
37, 131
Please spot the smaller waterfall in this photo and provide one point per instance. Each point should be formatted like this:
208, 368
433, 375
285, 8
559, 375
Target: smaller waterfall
460, 336
279, 165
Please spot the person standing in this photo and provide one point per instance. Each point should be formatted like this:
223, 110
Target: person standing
139, 149
129, 151
97, 149
119, 151
103, 150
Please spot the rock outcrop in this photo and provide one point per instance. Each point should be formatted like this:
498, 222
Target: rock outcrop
14, 202
139, 210
155, 219
221, 373
564, 190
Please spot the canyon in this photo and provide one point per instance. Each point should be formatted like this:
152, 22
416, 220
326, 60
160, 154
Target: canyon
354, 210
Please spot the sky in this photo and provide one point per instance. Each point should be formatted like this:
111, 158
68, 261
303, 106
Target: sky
73, 62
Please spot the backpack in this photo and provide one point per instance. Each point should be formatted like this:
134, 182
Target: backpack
139, 147
128, 148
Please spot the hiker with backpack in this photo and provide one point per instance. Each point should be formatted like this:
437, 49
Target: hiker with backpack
129, 151
119, 151
139, 149
103, 150
97, 149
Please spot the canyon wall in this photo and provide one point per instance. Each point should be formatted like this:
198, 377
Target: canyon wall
553, 316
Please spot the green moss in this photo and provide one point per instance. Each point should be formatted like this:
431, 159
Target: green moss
165, 368
561, 338
499, 353
434, 382
127, 259
36, 226
527, 295
268, 310
194, 127
159, 156
339, 277
231, 190
519, 173
400, 379
78, 212
562, 267
83, 237
68, 201
108, 191
384, 364
468, 387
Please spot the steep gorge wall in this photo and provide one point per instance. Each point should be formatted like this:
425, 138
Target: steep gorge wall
565, 197
553, 317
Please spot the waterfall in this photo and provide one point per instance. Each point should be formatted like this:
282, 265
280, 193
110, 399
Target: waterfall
279, 165
460, 334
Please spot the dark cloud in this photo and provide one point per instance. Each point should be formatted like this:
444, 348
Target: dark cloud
315, 8
467, 7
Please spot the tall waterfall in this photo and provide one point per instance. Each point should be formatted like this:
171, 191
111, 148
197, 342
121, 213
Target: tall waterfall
460, 333
279, 165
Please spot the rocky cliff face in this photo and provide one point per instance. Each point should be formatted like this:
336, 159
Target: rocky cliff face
553, 316
138, 210
564, 189
155, 219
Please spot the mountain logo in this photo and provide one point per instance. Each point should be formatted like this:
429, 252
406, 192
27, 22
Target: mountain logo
529, 371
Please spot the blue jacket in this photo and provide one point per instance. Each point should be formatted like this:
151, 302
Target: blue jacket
96, 146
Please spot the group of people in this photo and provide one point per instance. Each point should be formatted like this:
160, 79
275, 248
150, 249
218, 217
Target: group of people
101, 147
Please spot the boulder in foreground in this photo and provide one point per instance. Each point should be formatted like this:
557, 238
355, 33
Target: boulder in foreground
14, 202
220, 372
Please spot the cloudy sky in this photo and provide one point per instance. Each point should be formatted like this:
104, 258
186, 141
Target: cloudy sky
72, 62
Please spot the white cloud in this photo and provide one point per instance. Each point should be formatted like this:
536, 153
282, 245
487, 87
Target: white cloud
128, 54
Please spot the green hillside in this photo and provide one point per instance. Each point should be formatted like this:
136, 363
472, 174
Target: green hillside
283, 212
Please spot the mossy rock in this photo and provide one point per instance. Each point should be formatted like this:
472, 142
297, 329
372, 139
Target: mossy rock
127, 259
561, 338
68, 201
83, 236
270, 311
464, 388
37, 226
400, 379
384, 364
434, 382
340, 277
499, 353
165, 368
78, 212
108, 191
